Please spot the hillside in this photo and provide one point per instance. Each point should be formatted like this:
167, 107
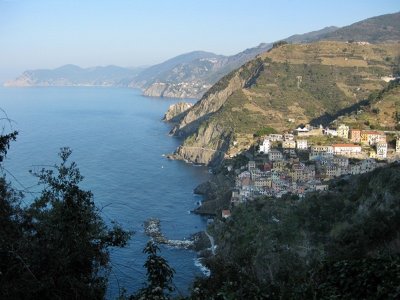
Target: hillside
71, 75
190, 75
378, 29
382, 110
338, 244
280, 89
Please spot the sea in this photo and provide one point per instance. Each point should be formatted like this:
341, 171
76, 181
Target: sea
119, 143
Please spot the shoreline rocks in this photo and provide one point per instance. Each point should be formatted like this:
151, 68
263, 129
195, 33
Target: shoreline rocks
197, 241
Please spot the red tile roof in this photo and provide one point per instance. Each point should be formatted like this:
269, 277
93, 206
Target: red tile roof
345, 145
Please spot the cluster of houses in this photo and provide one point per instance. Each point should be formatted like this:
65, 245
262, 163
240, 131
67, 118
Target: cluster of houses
288, 164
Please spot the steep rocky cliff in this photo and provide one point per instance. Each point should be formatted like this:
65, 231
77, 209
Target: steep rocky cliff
287, 86
177, 90
175, 111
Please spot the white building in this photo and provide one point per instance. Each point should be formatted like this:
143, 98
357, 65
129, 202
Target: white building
265, 146
346, 149
398, 145
274, 137
381, 150
331, 132
321, 151
302, 144
288, 137
343, 131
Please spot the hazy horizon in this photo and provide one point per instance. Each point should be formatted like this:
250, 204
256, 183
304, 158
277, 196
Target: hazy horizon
48, 34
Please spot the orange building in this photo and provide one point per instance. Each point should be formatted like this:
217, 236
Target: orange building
372, 137
355, 135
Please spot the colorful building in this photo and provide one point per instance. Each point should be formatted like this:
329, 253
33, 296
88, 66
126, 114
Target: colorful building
343, 131
381, 150
355, 135
301, 144
346, 149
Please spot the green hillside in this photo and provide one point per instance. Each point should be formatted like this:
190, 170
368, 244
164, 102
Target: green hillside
374, 30
340, 244
381, 112
287, 86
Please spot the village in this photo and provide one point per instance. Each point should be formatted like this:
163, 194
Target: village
307, 158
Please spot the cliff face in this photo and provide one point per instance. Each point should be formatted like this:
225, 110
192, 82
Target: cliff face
175, 111
179, 90
207, 146
281, 89
207, 137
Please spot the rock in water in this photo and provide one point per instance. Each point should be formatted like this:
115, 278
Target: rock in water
152, 228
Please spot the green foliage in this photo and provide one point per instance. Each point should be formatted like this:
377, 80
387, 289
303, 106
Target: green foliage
5, 143
264, 131
326, 246
381, 110
159, 276
366, 278
59, 248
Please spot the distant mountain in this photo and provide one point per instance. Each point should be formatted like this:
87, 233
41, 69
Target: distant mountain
311, 36
191, 75
71, 75
384, 28
183, 76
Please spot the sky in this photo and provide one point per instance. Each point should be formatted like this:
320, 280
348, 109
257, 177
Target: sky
50, 33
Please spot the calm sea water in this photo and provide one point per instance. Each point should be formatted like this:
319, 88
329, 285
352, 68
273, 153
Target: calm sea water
118, 141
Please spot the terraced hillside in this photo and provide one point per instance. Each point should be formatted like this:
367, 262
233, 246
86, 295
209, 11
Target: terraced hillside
381, 112
280, 89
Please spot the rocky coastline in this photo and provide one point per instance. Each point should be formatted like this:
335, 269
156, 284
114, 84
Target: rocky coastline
176, 112
198, 241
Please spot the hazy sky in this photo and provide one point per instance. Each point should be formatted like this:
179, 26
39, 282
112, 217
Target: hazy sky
50, 33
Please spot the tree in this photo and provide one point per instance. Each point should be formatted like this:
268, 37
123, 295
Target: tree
62, 250
159, 276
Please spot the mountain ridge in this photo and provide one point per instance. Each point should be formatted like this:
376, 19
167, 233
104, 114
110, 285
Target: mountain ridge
190, 75
72, 75
290, 85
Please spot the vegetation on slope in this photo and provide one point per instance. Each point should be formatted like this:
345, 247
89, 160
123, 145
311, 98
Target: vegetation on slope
287, 86
381, 112
374, 30
339, 244
57, 247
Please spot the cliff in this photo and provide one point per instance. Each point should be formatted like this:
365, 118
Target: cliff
180, 90
280, 89
175, 111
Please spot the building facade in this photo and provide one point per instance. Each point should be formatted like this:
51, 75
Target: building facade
343, 131
355, 135
381, 150
265, 146
346, 149
302, 144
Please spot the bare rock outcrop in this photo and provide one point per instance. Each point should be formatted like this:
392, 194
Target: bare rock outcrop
175, 111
